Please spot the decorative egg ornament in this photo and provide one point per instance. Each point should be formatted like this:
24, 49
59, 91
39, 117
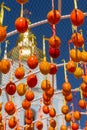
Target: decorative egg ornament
75, 55
75, 126
9, 107
44, 67
82, 104
21, 24
53, 17
29, 114
77, 115
2, 33
77, 17
54, 41
26, 104
32, 80
71, 66
45, 85
22, 1
65, 109
52, 112
52, 123
53, 69
10, 88
78, 72
54, 52
32, 61
21, 89
39, 125
77, 39
66, 87
19, 73
84, 56
29, 95
5, 66
45, 109
12, 122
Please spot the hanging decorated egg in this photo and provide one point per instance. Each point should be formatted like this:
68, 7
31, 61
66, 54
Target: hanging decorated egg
78, 72
45, 85
32, 61
65, 109
66, 87
47, 103
84, 94
44, 67
54, 41
10, 88
9, 107
69, 97
63, 127
21, 24
77, 17
52, 112
32, 80
5, 66
2, 33
45, 109
68, 117
53, 16
52, 123
83, 87
21, 89
19, 72
77, 115
54, 52
66, 93
75, 55
82, 104
26, 104
28, 121
77, 39
45, 97
29, 95
75, 126
22, 1
29, 114
50, 92
84, 56
12, 122
53, 69
39, 125
71, 66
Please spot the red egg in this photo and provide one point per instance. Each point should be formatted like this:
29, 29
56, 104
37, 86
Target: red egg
54, 52
32, 80
21, 24
75, 126
77, 17
53, 17
53, 69
32, 61
54, 41
10, 88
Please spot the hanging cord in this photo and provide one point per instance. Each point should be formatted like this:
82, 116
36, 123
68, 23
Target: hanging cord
21, 14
